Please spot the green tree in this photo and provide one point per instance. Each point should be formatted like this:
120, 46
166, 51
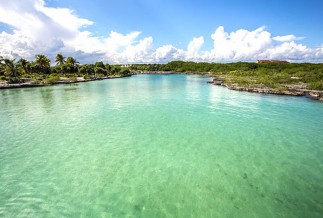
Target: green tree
84, 69
87, 70
71, 61
99, 64
73, 64
10, 69
125, 72
99, 68
108, 68
23, 63
1, 66
59, 59
43, 63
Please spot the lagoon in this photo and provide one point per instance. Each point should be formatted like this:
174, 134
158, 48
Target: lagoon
159, 146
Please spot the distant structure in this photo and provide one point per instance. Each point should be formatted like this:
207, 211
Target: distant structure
271, 61
126, 65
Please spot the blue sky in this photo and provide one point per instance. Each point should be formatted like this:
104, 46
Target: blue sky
175, 21
185, 27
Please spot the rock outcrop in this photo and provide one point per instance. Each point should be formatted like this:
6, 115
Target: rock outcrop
314, 94
317, 95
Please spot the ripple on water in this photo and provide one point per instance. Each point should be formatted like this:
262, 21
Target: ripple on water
158, 146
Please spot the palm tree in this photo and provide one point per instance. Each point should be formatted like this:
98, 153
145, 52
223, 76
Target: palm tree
71, 61
59, 59
11, 70
23, 64
1, 64
42, 62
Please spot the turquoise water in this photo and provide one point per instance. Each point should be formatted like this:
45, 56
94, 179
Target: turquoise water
159, 146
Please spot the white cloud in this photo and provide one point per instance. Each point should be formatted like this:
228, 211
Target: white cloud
239, 45
168, 53
193, 48
42, 28
37, 28
244, 45
287, 38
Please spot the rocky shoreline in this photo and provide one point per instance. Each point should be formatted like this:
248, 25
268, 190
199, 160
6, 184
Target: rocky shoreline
313, 94
292, 91
62, 81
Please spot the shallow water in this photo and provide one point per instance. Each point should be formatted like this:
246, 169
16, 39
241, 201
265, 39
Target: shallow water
159, 146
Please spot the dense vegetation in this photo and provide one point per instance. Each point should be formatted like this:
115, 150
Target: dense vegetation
260, 75
41, 71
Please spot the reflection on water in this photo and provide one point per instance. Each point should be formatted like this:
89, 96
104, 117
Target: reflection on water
192, 89
158, 146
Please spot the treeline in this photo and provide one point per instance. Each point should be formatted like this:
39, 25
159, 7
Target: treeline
273, 75
14, 71
203, 67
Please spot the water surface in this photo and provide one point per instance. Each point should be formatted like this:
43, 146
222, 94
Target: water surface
159, 146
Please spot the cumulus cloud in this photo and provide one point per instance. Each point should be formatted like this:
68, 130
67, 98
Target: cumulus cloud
37, 28
287, 38
41, 29
193, 48
239, 45
245, 45
168, 53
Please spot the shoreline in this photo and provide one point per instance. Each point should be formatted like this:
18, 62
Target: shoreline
60, 82
312, 94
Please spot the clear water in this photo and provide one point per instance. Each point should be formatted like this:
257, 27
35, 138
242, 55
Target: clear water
159, 146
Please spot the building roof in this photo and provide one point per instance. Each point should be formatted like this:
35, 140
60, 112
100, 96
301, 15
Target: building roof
272, 61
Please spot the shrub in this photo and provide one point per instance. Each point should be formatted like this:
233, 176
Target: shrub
316, 85
52, 79
86, 77
13, 80
72, 79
